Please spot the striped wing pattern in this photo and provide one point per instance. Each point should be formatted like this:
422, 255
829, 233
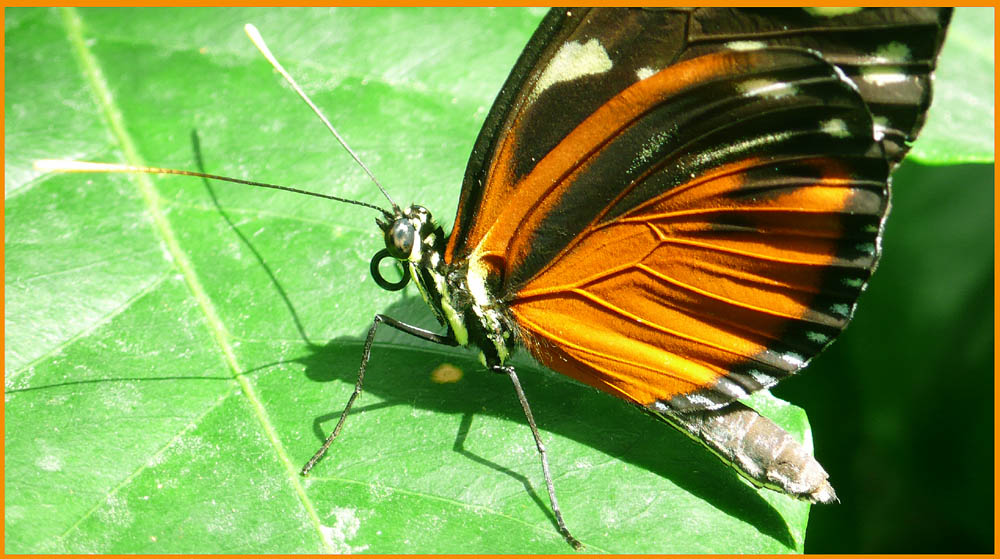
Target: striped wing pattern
722, 255
889, 54
581, 58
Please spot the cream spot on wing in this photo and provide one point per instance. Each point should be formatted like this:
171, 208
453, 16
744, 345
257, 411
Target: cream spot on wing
701, 401
745, 45
817, 337
574, 60
830, 11
893, 52
836, 127
793, 359
852, 282
644, 72
768, 88
883, 75
881, 124
761, 378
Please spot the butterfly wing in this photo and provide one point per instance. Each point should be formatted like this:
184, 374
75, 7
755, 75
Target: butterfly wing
679, 215
580, 58
698, 250
888, 53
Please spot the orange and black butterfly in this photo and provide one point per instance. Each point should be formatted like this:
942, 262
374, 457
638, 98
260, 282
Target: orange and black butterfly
678, 207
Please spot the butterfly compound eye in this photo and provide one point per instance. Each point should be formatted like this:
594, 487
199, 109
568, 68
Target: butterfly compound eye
399, 239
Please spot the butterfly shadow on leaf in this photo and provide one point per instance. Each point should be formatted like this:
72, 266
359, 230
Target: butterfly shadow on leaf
594, 428
399, 375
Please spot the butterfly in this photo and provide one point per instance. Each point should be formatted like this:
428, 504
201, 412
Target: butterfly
678, 207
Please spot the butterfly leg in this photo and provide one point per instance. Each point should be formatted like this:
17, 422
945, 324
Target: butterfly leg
509, 371
447, 339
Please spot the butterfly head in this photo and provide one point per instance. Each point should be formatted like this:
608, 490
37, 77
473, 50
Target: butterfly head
411, 233
413, 238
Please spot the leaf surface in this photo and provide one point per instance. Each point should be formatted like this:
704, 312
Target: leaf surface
175, 350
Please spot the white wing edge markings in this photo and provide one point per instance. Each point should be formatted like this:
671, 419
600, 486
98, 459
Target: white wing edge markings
767, 88
745, 45
881, 76
831, 11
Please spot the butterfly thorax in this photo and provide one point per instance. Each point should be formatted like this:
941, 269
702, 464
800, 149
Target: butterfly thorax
458, 295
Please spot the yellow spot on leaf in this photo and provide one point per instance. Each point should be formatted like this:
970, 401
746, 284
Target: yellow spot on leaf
446, 373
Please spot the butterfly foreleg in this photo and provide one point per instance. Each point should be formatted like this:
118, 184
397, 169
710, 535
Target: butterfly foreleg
561, 525
447, 339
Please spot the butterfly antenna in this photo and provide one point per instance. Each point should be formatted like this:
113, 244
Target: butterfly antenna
258, 41
66, 166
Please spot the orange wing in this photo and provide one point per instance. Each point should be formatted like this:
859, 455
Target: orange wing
668, 300
722, 254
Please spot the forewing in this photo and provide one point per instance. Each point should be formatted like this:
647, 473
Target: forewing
576, 61
581, 58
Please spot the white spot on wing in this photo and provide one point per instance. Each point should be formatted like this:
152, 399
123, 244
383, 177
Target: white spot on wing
866, 248
767, 88
793, 359
745, 45
818, 337
881, 125
883, 75
836, 127
830, 11
893, 52
761, 378
852, 282
574, 60
730, 388
699, 400
644, 72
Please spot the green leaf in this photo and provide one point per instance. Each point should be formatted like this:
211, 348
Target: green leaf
176, 350
959, 127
